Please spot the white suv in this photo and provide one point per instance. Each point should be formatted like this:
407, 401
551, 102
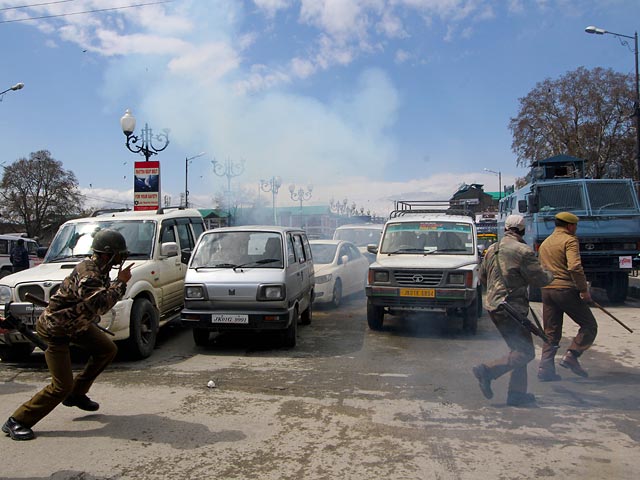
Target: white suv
427, 262
159, 244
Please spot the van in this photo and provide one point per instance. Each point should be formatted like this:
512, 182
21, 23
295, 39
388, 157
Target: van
7, 242
250, 278
159, 244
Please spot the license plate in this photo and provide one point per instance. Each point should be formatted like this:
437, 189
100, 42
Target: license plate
418, 292
229, 318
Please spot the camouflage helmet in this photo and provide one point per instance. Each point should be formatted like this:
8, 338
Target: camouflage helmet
109, 241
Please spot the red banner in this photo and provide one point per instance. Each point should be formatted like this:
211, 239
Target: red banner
146, 185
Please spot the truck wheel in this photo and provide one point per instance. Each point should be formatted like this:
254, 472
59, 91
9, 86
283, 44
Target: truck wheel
16, 352
201, 337
470, 318
143, 329
375, 316
617, 287
291, 333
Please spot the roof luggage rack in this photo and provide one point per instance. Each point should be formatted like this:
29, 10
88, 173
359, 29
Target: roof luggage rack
412, 207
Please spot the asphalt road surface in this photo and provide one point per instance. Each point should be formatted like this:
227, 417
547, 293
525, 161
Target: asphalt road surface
346, 403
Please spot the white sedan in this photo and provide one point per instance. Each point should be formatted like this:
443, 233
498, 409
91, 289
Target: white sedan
340, 270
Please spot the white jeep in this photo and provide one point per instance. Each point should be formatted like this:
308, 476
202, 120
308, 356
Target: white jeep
159, 243
427, 261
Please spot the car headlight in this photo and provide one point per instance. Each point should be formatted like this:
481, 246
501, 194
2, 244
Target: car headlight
272, 292
324, 278
194, 292
5, 294
380, 276
456, 279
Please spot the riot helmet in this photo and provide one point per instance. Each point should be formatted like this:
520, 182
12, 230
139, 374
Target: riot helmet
109, 241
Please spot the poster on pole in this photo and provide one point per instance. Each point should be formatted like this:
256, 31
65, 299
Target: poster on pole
146, 185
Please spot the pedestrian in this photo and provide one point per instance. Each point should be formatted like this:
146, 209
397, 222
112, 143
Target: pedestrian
19, 256
568, 293
507, 269
70, 317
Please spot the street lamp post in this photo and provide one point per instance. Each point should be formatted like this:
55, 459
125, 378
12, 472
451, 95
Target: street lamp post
186, 177
339, 207
17, 86
146, 146
228, 169
272, 185
300, 195
499, 181
636, 106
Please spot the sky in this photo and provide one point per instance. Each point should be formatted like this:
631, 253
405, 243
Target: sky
366, 100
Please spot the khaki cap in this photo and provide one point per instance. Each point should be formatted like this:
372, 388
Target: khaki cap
514, 221
567, 217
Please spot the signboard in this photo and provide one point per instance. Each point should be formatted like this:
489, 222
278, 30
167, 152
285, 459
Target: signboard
146, 185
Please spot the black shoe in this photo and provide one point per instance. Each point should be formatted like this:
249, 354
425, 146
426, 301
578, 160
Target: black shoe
16, 430
517, 399
571, 362
82, 402
548, 376
481, 372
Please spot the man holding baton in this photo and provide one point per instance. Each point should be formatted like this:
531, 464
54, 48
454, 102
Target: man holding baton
71, 317
568, 293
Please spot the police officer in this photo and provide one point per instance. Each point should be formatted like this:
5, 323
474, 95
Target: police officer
83, 296
19, 256
509, 266
568, 293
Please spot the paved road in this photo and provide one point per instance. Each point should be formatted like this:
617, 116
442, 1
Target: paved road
347, 403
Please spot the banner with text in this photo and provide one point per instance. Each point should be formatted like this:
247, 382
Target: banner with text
146, 186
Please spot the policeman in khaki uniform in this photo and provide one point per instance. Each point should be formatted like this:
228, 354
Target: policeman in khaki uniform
83, 296
507, 269
568, 293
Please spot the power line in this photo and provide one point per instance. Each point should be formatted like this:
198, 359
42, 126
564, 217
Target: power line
85, 11
36, 5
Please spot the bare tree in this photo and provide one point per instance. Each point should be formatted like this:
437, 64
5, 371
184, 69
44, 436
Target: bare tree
585, 113
39, 193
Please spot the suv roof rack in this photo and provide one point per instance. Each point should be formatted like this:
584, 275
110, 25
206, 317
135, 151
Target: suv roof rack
103, 211
412, 207
162, 210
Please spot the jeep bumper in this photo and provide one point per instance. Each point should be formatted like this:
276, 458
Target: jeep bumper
420, 299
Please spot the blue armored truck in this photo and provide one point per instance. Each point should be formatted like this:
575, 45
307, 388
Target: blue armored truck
609, 213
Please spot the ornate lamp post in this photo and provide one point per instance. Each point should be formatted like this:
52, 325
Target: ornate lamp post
300, 195
186, 177
272, 185
228, 169
636, 103
339, 207
146, 146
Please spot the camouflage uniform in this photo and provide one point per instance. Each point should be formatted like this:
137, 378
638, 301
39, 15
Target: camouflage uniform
83, 296
519, 268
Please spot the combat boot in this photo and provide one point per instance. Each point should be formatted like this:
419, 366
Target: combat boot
570, 361
547, 372
16, 430
82, 402
481, 372
517, 399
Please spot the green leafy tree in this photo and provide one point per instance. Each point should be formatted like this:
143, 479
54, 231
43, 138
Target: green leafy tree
587, 114
38, 193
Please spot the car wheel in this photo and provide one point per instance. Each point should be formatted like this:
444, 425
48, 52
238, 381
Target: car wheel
16, 352
375, 316
201, 337
143, 329
337, 294
291, 333
307, 315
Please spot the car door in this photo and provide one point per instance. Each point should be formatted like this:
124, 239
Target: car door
171, 270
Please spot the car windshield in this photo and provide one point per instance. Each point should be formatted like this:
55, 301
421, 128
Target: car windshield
74, 240
361, 237
433, 237
249, 249
323, 253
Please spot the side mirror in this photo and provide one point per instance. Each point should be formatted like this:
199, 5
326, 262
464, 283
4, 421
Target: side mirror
522, 206
169, 249
344, 259
372, 249
533, 203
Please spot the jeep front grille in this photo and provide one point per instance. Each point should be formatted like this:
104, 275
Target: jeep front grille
418, 278
37, 290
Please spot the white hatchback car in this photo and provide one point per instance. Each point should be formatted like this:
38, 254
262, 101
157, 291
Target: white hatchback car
341, 270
